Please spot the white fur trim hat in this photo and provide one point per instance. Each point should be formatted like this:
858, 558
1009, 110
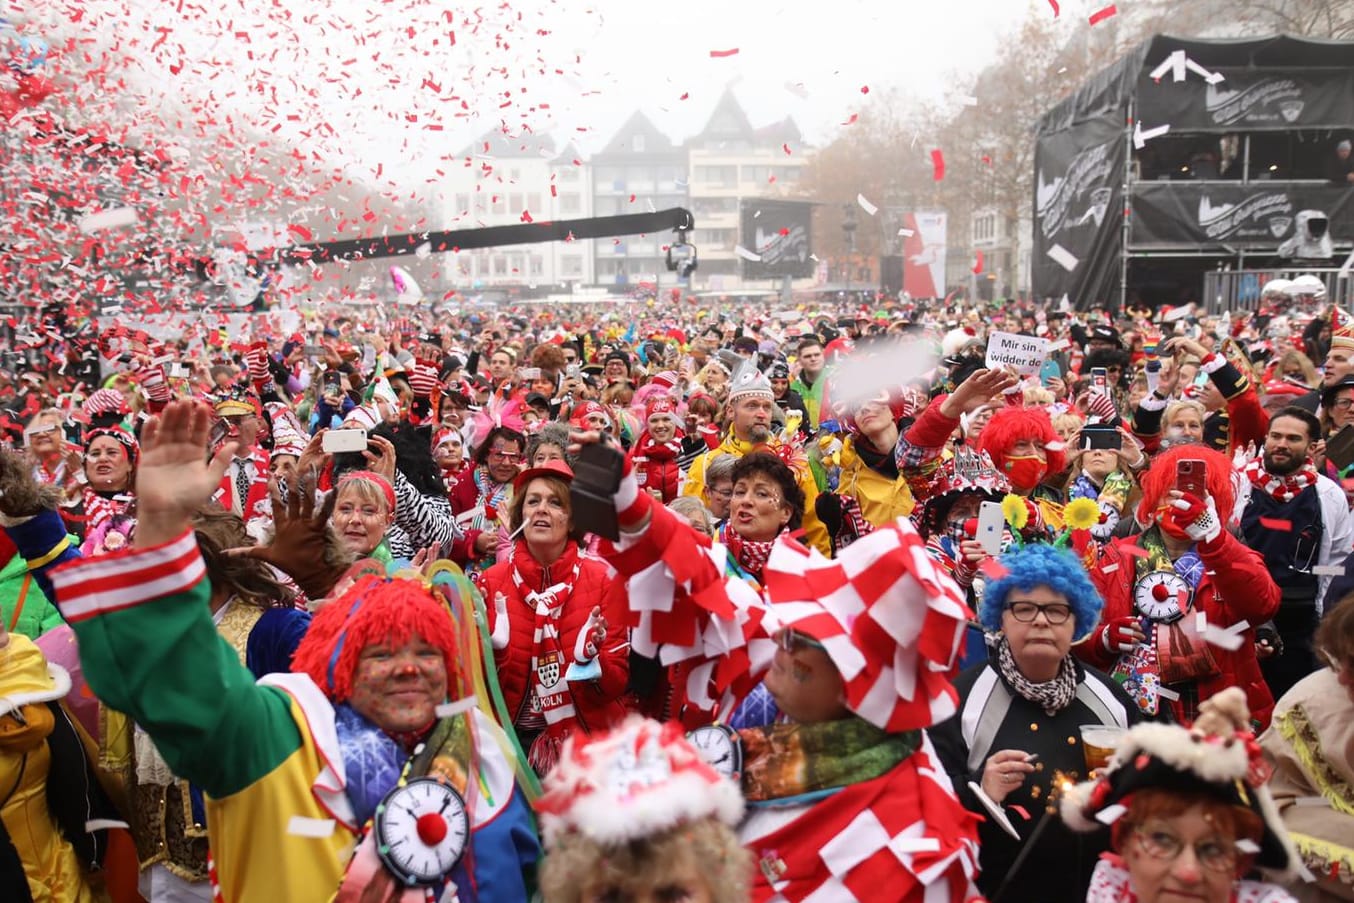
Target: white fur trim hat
637, 780
1218, 757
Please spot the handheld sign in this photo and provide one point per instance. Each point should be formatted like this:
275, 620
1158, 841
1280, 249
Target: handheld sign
1024, 353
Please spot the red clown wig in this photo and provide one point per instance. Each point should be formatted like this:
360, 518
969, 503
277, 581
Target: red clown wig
1160, 479
1011, 425
373, 610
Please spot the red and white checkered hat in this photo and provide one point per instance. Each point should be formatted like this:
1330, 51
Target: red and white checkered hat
890, 620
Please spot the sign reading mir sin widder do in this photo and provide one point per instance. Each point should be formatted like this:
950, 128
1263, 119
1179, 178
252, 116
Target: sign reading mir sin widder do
777, 239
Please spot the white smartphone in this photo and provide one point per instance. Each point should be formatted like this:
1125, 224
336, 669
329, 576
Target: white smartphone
336, 441
990, 522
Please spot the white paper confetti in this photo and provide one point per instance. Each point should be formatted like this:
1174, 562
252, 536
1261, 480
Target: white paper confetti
301, 826
103, 824
1329, 570
1168, 693
1247, 846
1063, 257
448, 709
424, 251
906, 233
1141, 136
746, 254
107, 219
1111, 814
866, 205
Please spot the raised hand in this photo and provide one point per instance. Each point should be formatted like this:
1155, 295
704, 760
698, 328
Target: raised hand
302, 546
977, 391
174, 477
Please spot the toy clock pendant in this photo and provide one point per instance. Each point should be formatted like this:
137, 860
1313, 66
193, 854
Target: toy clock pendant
1159, 595
422, 829
720, 747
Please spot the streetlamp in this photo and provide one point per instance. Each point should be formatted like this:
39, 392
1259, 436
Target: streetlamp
849, 233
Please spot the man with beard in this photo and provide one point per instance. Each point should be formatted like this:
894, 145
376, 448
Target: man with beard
1299, 521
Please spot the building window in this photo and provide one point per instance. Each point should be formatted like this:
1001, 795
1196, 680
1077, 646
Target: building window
500, 266
571, 266
569, 203
717, 176
462, 202
534, 202
515, 203
568, 174
537, 265
500, 204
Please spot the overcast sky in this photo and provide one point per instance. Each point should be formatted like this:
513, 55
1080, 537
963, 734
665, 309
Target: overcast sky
290, 64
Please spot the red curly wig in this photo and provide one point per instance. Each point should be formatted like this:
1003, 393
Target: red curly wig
1010, 425
373, 610
1160, 479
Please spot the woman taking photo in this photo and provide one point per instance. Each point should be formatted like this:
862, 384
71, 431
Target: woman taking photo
1189, 812
1184, 563
557, 623
1019, 726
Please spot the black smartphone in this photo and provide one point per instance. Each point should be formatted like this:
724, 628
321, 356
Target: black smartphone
1101, 437
597, 477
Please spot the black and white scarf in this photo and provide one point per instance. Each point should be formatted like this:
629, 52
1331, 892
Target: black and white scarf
1052, 696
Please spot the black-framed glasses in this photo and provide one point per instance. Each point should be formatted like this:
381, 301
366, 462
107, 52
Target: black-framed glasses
1214, 855
1025, 612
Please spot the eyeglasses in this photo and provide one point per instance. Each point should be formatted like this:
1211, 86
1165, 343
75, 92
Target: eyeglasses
1214, 855
512, 457
1026, 612
1343, 404
720, 493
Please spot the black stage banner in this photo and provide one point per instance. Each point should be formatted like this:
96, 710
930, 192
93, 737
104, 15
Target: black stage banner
778, 234
1227, 215
1248, 100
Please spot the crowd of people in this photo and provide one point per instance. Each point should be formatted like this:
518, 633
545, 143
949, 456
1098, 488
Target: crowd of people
681, 604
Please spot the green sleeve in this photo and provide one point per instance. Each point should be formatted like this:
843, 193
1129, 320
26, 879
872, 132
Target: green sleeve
149, 648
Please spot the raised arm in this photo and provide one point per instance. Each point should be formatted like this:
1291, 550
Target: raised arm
147, 642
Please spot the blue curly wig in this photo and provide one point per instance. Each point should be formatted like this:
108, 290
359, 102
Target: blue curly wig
1041, 565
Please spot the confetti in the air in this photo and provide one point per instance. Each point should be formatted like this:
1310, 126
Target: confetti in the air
978, 264
1056, 11
938, 165
721, 54
1101, 15
865, 205
1063, 257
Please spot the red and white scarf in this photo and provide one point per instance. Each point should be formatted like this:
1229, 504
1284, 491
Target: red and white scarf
1281, 487
550, 704
750, 554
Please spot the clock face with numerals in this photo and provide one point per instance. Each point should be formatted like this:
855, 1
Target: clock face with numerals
720, 747
1161, 595
422, 830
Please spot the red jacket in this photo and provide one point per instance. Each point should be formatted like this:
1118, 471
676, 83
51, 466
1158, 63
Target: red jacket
1235, 587
598, 702
655, 465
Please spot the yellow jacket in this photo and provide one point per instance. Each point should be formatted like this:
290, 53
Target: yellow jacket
27, 682
882, 500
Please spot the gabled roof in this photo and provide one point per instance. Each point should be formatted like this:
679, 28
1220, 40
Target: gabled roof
727, 122
495, 143
622, 143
